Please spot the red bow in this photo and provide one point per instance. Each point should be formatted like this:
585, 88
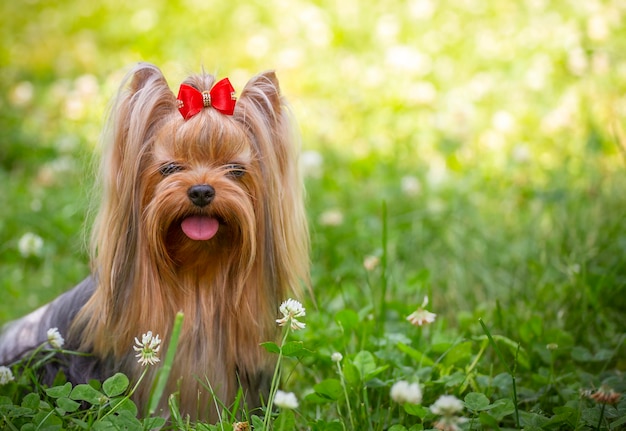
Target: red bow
221, 97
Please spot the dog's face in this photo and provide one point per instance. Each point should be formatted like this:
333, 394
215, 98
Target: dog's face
202, 188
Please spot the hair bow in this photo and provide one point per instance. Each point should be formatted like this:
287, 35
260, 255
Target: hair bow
221, 97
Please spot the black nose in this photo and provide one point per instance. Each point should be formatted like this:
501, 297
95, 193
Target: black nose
201, 195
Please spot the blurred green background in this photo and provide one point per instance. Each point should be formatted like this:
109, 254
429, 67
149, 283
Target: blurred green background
493, 131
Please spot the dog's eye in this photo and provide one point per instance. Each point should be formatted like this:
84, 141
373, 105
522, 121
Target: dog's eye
235, 170
170, 168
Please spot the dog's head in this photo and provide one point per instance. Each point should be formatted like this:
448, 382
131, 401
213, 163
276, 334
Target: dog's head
212, 191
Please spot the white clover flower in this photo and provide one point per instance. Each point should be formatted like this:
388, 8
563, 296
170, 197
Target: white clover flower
410, 185
311, 164
405, 392
30, 244
148, 349
450, 423
447, 405
6, 375
55, 339
336, 357
421, 316
332, 217
291, 309
286, 400
371, 262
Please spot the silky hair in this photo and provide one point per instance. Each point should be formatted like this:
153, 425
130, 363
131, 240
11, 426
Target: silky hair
229, 291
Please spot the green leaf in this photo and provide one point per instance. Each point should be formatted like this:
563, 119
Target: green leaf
315, 398
501, 408
115, 385
59, 391
532, 419
257, 422
329, 388
45, 420
397, 427
87, 393
68, 405
461, 352
416, 410
489, 421
350, 373
271, 347
420, 358
31, 401
365, 363
476, 401
125, 420
124, 403
285, 421
369, 376
154, 423
293, 349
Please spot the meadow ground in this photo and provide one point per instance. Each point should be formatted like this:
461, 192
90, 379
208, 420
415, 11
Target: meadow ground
472, 152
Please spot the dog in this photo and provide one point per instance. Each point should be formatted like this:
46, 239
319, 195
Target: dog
201, 212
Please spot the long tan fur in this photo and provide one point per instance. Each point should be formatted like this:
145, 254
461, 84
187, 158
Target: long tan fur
229, 287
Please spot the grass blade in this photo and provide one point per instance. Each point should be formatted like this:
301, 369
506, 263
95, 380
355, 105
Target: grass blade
511, 372
160, 381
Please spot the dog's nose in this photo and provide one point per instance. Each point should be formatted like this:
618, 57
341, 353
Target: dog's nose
201, 195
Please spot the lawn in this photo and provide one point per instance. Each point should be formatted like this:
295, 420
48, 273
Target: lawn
472, 152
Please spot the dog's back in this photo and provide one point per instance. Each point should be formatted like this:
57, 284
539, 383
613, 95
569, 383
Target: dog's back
20, 338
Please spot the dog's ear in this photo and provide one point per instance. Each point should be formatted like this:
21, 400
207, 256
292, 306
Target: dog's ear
142, 75
144, 100
144, 103
263, 92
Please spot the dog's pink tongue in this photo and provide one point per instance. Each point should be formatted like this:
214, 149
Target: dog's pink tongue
200, 228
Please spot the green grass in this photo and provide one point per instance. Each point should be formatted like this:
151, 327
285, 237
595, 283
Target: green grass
507, 118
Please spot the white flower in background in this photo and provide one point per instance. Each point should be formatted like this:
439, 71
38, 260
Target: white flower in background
410, 185
598, 28
447, 405
423, 92
331, 217
290, 309
311, 164
450, 423
422, 9
371, 262
6, 375
577, 61
30, 244
22, 94
404, 392
437, 173
55, 339
336, 357
286, 400
521, 153
503, 121
421, 316
148, 349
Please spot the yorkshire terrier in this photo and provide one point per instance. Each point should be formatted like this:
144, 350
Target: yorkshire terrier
202, 212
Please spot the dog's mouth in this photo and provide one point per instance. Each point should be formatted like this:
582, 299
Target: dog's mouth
200, 227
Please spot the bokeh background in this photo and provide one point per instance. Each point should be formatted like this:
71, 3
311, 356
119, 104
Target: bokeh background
492, 132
